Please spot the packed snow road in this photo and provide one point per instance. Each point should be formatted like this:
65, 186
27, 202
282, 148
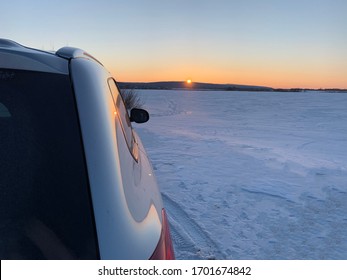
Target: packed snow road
248, 175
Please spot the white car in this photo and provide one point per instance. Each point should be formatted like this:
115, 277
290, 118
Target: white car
75, 180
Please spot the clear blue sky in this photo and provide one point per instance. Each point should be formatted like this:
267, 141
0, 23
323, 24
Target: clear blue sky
294, 43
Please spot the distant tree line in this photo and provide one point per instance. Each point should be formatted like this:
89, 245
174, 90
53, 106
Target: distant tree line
215, 87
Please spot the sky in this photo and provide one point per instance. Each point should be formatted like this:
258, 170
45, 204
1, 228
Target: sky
294, 43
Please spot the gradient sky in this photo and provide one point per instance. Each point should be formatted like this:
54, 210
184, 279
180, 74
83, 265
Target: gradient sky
294, 43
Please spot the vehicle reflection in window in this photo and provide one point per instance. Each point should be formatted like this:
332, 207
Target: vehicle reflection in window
4, 112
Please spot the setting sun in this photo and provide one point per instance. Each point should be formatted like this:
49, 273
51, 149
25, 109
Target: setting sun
189, 81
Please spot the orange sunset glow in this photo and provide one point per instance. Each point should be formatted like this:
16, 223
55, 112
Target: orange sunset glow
279, 75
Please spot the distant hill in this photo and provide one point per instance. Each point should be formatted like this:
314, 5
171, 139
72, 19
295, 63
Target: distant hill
209, 86
192, 86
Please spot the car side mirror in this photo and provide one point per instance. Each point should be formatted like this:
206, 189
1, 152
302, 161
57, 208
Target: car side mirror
139, 115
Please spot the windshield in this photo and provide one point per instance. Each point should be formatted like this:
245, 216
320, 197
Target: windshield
45, 205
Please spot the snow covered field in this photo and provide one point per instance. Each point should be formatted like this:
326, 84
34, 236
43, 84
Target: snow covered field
251, 175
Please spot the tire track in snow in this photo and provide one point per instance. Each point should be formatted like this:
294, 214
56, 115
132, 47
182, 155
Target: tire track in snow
188, 236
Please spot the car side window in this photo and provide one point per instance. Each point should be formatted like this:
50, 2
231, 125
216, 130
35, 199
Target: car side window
123, 115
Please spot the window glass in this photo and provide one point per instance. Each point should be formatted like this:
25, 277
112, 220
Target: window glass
45, 205
123, 114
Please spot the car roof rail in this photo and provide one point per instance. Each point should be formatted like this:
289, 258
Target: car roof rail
70, 52
17, 56
9, 43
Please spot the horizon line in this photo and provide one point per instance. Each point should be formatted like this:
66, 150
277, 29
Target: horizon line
241, 85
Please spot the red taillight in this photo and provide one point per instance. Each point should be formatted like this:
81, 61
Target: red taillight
164, 250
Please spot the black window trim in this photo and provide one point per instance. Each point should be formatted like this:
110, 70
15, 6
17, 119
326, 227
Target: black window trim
84, 162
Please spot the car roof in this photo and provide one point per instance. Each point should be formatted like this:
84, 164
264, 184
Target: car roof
16, 56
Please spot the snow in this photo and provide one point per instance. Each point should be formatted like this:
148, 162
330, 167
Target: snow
251, 175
